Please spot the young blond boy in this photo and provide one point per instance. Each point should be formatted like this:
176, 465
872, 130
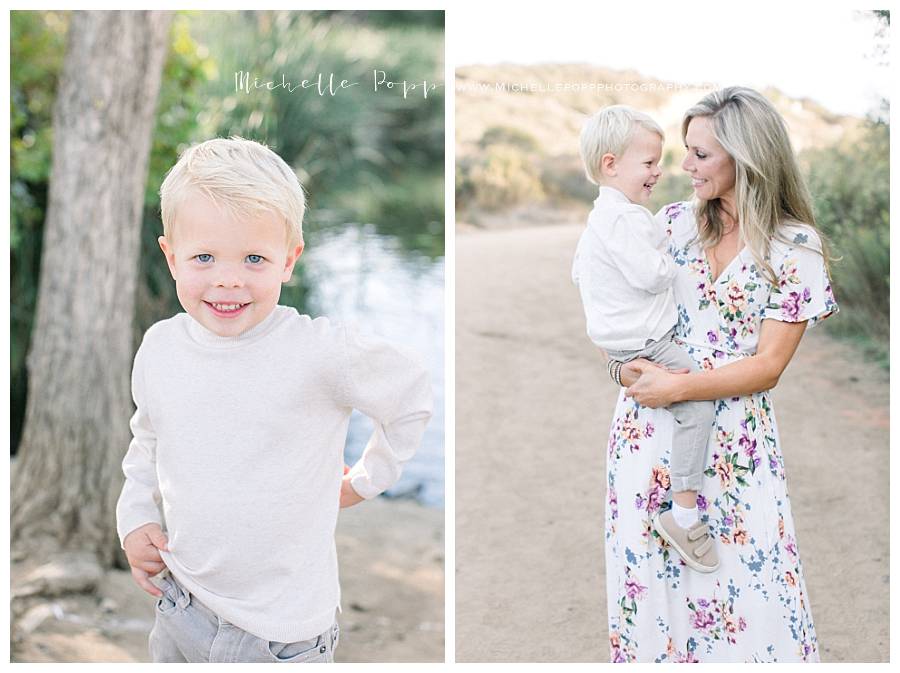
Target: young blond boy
625, 276
242, 414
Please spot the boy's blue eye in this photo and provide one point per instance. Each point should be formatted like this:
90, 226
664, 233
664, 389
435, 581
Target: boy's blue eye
255, 259
203, 258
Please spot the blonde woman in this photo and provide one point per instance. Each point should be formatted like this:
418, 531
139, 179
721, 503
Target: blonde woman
752, 277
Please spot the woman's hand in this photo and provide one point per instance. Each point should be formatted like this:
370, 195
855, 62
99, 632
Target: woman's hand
631, 371
655, 386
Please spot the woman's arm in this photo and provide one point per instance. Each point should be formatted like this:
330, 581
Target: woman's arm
656, 387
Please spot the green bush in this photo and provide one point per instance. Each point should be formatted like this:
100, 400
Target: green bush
504, 176
563, 179
850, 185
505, 135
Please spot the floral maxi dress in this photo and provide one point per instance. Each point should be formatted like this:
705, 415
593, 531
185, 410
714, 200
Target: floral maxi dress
755, 607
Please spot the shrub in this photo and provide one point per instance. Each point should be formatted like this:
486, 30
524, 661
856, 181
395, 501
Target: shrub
504, 176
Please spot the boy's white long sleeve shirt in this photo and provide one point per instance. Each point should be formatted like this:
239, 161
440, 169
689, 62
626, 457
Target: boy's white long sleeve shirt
624, 274
241, 441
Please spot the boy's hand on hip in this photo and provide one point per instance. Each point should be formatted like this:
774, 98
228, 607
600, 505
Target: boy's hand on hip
349, 496
142, 547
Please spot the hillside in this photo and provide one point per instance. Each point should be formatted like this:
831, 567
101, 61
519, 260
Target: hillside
554, 117
517, 130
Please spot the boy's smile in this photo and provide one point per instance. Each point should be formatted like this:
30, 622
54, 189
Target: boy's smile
228, 272
227, 310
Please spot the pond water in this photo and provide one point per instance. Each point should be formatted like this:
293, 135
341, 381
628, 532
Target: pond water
371, 282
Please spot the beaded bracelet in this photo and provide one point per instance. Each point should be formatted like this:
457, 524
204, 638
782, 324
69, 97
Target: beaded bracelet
614, 368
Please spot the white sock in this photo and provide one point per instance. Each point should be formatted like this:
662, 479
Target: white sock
684, 516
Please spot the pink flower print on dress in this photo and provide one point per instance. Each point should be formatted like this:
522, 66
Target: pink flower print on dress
790, 307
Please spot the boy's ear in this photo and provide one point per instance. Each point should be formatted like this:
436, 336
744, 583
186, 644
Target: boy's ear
169, 252
608, 165
293, 256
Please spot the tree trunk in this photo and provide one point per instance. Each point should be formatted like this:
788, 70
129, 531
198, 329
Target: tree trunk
67, 474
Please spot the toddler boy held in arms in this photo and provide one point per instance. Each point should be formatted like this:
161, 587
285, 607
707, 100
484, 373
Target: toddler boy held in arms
625, 275
242, 414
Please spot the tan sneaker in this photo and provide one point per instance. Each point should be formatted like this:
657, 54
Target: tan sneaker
695, 544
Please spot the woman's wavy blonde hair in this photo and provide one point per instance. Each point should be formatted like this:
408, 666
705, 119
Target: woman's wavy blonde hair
769, 189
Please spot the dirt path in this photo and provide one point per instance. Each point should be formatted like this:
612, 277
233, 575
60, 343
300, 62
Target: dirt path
533, 407
391, 556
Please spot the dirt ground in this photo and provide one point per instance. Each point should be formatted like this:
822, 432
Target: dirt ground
533, 407
391, 555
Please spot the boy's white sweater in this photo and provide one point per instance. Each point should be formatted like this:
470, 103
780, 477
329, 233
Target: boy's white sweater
624, 273
241, 439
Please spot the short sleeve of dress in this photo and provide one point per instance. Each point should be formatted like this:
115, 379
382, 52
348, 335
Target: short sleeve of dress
804, 288
671, 219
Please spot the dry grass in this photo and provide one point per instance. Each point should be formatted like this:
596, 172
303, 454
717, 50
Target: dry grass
534, 129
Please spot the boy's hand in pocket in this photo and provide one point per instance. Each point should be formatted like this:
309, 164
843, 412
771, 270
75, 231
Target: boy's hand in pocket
142, 547
349, 496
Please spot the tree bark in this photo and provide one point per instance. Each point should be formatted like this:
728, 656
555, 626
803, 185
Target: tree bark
67, 474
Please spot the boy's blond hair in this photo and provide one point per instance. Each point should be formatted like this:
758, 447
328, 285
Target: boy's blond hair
608, 132
242, 176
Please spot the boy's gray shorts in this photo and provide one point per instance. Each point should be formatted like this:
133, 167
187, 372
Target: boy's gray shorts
188, 631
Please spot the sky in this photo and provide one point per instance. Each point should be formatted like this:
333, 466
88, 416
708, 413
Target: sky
818, 52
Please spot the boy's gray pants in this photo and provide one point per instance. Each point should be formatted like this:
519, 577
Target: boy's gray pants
693, 419
187, 631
